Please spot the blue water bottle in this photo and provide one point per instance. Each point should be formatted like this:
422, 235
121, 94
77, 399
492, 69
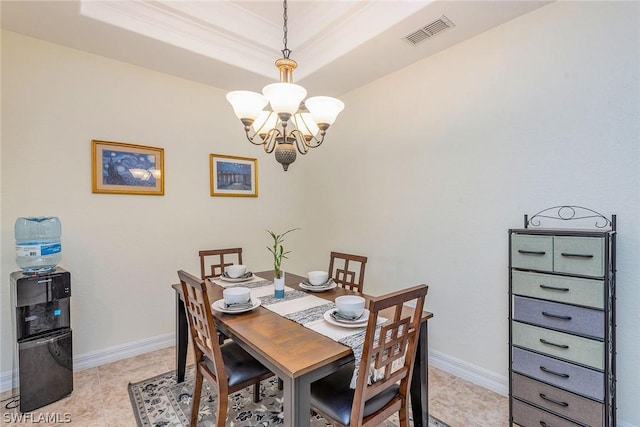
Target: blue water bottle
38, 247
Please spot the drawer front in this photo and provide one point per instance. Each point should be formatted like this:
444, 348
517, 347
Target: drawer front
528, 416
579, 255
532, 252
584, 381
572, 290
561, 402
568, 318
569, 347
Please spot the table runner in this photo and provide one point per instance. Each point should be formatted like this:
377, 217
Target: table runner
308, 310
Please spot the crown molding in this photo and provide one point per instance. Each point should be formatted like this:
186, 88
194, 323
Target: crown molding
231, 32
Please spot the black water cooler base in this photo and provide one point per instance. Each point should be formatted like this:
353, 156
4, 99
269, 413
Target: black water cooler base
46, 373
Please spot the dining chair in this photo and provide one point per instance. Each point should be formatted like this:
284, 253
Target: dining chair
389, 351
347, 278
216, 266
227, 367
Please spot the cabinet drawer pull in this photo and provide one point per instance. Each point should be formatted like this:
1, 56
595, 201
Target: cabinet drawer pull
576, 255
522, 251
557, 402
543, 341
553, 288
543, 424
549, 371
556, 316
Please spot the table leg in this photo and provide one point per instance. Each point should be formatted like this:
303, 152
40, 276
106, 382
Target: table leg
182, 335
420, 381
296, 402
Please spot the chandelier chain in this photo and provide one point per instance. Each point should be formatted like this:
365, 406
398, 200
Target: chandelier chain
286, 51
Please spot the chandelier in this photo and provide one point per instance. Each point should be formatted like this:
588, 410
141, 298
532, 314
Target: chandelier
289, 123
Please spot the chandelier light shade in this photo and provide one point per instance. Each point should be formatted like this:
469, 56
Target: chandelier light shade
284, 98
280, 119
246, 104
324, 109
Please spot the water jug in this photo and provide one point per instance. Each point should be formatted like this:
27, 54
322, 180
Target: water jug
38, 247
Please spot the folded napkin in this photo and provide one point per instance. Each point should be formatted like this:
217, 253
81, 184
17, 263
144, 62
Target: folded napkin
335, 315
237, 305
246, 275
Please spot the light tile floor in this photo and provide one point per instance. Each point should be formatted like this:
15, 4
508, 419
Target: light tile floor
100, 397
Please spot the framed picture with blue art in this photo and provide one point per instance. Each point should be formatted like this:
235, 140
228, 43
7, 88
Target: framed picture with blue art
233, 176
120, 168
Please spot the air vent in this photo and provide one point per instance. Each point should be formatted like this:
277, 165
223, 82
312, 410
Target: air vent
427, 31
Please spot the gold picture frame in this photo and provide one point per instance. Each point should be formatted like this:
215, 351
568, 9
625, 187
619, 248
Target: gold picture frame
233, 176
121, 168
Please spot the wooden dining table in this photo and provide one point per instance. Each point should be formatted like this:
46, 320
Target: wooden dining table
296, 354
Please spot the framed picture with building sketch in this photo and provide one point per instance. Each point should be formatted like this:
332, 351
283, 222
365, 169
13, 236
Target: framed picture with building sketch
233, 176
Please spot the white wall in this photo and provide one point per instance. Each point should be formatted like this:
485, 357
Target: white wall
123, 251
433, 164
424, 172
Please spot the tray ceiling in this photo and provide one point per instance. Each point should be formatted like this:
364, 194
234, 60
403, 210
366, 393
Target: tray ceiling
339, 45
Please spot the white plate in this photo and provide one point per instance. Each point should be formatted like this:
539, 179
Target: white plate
318, 288
219, 306
236, 280
360, 323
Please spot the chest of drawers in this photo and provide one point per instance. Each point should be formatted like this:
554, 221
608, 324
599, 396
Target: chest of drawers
562, 323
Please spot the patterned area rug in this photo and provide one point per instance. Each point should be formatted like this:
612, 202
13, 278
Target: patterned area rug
161, 402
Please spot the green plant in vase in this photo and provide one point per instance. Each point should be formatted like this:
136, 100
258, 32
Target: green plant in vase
278, 251
278, 255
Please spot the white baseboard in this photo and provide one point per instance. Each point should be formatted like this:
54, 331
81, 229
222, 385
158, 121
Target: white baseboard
459, 368
124, 351
107, 355
5, 381
472, 373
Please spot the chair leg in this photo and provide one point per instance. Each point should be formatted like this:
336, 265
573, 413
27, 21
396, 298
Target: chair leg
403, 416
195, 403
223, 407
256, 392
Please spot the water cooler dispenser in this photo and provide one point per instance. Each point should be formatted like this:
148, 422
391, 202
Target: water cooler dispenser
43, 352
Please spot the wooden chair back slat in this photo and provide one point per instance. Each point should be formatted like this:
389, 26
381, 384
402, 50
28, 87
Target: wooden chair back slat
346, 275
221, 258
203, 330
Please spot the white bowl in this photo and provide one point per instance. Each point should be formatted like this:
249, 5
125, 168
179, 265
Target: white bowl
317, 277
236, 270
236, 295
350, 305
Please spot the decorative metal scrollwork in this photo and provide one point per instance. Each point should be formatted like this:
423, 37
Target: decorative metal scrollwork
569, 213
